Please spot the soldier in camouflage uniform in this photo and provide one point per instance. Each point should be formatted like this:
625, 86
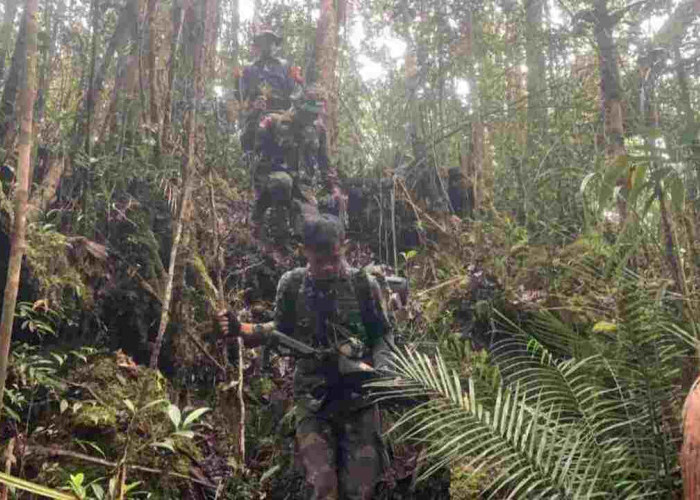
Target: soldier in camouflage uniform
287, 145
330, 304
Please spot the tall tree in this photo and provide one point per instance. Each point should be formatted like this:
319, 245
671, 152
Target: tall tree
536, 69
604, 23
326, 62
12, 84
18, 242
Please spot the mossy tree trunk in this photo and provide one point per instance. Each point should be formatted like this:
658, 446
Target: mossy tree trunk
18, 242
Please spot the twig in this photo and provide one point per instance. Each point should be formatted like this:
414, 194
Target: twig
417, 210
441, 285
9, 459
58, 452
203, 350
90, 390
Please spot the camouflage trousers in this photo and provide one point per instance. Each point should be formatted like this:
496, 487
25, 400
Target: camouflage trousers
289, 205
342, 456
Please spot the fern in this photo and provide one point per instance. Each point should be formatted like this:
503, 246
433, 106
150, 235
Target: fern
599, 425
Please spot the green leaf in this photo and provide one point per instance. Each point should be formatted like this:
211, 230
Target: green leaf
175, 415
37, 489
167, 443
184, 434
269, 472
194, 416
59, 359
605, 326
98, 491
153, 403
130, 405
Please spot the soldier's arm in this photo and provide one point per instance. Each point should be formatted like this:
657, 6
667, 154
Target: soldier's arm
257, 334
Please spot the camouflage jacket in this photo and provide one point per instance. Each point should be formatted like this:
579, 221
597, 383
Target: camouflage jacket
265, 86
357, 315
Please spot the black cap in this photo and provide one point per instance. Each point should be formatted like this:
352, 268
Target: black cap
323, 232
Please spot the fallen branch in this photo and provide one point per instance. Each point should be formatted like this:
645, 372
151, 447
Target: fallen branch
58, 452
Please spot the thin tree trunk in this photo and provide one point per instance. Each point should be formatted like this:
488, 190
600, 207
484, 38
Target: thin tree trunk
151, 14
18, 243
326, 61
615, 153
127, 18
8, 23
187, 178
536, 69
177, 19
9, 94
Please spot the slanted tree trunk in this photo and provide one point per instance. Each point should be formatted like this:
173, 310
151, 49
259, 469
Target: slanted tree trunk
18, 243
188, 165
326, 61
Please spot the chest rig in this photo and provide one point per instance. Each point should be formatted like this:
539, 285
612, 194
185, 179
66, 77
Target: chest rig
354, 319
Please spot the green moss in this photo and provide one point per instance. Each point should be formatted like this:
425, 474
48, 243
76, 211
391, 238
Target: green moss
465, 484
97, 413
94, 418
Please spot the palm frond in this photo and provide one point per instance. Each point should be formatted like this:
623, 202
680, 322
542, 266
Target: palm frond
522, 441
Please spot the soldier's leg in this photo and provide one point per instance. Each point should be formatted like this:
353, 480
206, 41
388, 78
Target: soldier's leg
259, 171
280, 189
360, 454
316, 448
304, 206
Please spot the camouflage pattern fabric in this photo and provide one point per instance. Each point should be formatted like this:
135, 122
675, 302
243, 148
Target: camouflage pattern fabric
342, 457
337, 426
265, 87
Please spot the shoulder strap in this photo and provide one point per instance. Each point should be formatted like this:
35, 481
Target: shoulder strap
372, 318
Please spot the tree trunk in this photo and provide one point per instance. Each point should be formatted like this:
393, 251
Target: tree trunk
7, 27
177, 20
613, 114
187, 173
18, 243
54, 20
127, 18
151, 13
326, 61
9, 94
536, 70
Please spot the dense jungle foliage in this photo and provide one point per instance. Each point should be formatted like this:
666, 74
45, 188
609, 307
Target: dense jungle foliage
532, 167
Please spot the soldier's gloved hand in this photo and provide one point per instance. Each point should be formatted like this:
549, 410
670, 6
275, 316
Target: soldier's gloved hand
228, 323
